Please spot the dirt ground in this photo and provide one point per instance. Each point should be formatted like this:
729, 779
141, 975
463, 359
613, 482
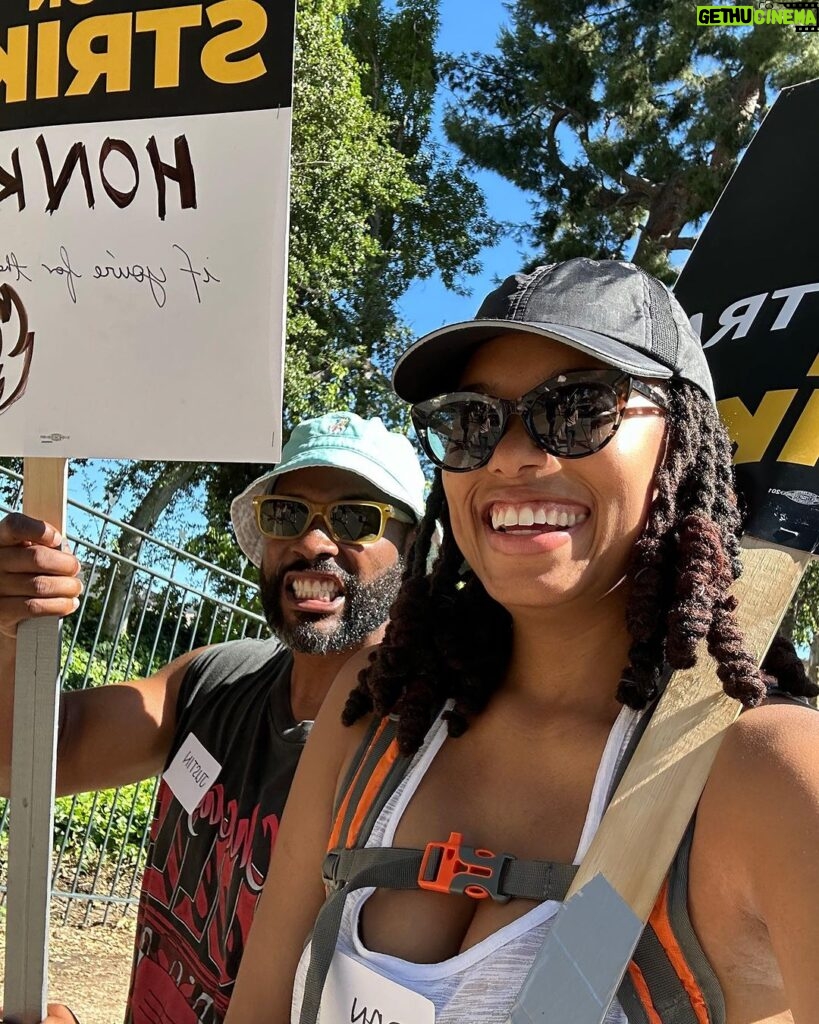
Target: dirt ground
89, 968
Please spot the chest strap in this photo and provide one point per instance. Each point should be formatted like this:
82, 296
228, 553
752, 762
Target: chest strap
451, 867
446, 867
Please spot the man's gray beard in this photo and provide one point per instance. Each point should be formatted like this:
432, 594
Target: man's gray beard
366, 609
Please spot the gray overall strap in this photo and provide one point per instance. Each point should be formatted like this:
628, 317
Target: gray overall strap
668, 993
670, 999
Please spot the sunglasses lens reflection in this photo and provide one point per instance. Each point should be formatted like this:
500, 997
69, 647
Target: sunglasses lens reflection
463, 434
350, 522
355, 523
576, 419
281, 517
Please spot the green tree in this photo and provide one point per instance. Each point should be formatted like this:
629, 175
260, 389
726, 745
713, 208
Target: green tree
344, 169
624, 121
802, 619
441, 229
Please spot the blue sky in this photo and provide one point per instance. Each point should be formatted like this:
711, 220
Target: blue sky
468, 25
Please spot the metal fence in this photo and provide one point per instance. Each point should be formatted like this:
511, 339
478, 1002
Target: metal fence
137, 612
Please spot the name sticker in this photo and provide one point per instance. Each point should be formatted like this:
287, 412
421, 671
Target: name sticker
355, 993
191, 773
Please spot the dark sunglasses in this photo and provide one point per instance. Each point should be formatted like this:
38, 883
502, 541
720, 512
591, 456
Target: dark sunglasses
570, 416
348, 522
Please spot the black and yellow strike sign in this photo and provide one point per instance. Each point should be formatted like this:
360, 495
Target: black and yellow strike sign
74, 61
751, 286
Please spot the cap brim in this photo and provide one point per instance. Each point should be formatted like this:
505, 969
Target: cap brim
435, 362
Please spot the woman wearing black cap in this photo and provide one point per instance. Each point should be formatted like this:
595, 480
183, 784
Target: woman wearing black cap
589, 543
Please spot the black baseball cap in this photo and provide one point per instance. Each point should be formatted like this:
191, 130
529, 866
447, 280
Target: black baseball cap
608, 309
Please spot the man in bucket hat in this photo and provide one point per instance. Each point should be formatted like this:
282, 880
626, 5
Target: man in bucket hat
327, 528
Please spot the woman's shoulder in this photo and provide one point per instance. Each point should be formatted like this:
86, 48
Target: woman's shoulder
762, 795
769, 747
754, 874
331, 740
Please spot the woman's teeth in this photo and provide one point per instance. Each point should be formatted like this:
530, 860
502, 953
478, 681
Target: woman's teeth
505, 516
315, 590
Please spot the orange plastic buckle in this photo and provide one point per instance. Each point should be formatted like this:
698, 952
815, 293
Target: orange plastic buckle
451, 867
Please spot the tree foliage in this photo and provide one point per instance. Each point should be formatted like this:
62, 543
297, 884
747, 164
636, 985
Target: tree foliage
623, 120
445, 225
344, 169
374, 204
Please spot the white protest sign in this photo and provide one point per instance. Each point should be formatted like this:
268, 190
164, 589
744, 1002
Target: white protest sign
144, 164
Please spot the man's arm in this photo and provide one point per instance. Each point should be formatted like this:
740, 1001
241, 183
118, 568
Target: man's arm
109, 735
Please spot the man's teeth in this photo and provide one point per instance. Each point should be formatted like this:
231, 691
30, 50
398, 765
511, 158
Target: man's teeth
504, 516
315, 590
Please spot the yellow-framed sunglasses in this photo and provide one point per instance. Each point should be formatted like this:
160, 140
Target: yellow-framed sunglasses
348, 522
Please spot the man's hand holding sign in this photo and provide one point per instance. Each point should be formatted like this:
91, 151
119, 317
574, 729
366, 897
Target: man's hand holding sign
144, 162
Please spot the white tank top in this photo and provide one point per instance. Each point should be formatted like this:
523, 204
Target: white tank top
479, 985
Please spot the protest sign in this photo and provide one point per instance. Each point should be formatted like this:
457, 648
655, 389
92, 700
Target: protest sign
144, 165
144, 158
756, 313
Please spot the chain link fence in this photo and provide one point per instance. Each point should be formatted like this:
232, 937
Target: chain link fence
136, 614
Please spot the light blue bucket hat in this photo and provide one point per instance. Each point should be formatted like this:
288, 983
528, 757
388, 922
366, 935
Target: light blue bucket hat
338, 440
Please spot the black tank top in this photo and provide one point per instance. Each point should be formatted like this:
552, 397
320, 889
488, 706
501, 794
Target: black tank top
205, 870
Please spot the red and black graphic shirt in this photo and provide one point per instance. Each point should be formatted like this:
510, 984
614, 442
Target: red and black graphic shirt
205, 870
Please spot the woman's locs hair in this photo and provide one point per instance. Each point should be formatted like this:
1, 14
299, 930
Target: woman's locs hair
450, 640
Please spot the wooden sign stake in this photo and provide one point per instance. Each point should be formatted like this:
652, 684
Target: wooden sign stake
33, 772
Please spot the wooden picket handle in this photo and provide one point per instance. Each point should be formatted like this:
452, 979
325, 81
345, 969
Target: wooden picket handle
33, 772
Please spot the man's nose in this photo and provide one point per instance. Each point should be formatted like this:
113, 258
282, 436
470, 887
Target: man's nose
316, 541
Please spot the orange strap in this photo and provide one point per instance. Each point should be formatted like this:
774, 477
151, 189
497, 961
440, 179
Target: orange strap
641, 988
660, 922
367, 797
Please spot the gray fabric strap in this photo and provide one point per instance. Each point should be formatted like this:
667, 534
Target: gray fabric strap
539, 880
391, 782
397, 871
686, 937
371, 758
630, 1002
354, 765
668, 995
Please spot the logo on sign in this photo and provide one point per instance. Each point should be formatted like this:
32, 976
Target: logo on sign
16, 347
804, 16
